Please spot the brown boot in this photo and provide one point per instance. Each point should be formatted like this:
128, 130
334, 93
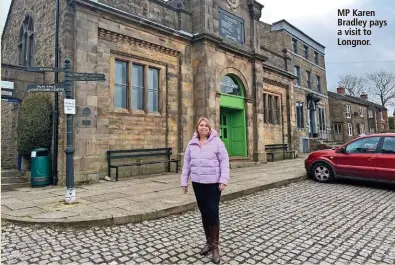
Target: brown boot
207, 248
214, 232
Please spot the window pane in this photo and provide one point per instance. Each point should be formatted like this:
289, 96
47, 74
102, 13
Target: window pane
366, 145
138, 76
389, 145
120, 97
120, 73
153, 87
138, 98
120, 93
275, 110
153, 101
138, 87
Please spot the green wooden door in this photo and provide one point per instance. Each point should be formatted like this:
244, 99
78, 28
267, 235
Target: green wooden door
232, 131
224, 129
237, 133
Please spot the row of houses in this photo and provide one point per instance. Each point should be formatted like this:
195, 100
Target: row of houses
167, 63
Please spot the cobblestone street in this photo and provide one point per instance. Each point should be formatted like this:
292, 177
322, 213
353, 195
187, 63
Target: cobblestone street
306, 222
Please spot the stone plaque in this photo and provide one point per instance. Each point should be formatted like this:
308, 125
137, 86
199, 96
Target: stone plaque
231, 27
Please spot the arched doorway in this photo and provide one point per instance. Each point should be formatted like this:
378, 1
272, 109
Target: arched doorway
232, 116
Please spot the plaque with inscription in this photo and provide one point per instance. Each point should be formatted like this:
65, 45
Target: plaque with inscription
231, 27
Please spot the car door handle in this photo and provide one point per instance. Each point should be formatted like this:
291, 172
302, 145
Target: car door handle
371, 158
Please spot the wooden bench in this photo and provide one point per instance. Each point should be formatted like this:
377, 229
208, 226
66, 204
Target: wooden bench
271, 150
139, 153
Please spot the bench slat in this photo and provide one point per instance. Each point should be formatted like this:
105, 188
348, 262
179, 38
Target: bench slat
140, 155
137, 150
144, 163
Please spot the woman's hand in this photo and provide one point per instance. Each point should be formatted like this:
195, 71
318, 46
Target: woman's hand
222, 186
184, 189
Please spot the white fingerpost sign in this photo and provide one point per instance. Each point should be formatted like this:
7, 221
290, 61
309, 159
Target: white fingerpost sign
69, 106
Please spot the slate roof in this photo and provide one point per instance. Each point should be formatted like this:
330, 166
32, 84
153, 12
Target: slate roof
355, 100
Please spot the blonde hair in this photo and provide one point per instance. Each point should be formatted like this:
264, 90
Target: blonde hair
199, 121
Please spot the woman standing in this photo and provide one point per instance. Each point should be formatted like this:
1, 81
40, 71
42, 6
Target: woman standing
206, 161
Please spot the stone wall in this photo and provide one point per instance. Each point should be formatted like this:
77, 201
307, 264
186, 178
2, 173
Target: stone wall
9, 122
111, 128
155, 10
338, 109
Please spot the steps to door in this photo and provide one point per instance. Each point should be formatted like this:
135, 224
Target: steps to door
12, 179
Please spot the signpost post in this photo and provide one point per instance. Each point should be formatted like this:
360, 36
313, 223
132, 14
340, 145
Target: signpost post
69, 110
70, 192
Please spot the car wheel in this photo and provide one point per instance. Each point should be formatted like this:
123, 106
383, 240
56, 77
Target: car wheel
322, 172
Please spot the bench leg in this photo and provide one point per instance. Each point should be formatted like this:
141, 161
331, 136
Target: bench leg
116, 176
168, 166
176, 166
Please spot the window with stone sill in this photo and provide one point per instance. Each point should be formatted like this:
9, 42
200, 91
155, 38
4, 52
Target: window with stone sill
300, 115
306, 52
298, 80
136, 87
348, 111
26, 42
316, 58
308, 76
370, 114
337, 128
295, 46
271, 109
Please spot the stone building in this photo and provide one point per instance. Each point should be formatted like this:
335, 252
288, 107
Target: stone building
167, 64
349, 115
377, 116
306, 59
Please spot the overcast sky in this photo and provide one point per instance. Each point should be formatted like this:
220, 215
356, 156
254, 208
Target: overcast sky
318, 19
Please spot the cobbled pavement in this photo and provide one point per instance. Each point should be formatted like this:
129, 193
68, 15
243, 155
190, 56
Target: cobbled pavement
302, 223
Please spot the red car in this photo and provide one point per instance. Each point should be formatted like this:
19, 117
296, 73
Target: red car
370, 157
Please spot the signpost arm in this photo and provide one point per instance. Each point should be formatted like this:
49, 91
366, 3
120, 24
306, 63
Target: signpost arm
70, 192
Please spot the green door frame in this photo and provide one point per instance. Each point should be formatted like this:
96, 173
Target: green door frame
237, 103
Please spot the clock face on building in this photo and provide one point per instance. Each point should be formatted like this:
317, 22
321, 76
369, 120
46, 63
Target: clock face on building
233, 3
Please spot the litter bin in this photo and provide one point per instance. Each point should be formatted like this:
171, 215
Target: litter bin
40, 167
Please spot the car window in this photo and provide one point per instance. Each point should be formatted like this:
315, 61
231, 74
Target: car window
365, 145
388, 145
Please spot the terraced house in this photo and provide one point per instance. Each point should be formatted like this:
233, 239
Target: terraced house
169, 63
352, 116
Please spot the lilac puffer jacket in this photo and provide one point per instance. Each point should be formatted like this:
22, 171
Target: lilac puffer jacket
206, 164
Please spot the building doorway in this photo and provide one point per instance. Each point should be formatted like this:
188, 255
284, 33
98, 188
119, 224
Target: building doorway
232, 116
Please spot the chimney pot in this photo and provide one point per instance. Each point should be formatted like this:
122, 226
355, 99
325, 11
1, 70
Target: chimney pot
364, 96
341, 90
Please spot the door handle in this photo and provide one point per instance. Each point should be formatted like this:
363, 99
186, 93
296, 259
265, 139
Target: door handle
371, 158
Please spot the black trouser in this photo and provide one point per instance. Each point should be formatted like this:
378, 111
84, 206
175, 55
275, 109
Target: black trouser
207, 197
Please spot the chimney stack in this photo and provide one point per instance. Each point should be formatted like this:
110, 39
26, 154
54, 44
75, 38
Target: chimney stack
364, 96
341, 90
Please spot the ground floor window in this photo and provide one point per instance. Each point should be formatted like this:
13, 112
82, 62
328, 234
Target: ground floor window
300, 115
349, 125
271, 109
136, 86
361, 128
337, 127
321, 118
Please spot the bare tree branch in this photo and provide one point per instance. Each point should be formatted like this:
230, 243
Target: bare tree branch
354, 85
383, 86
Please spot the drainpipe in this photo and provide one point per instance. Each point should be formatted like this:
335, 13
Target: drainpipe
180, 129
255, 129
282, 125
56, 107
167, 106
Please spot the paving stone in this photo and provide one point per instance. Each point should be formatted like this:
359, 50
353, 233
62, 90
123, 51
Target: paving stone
316, 224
